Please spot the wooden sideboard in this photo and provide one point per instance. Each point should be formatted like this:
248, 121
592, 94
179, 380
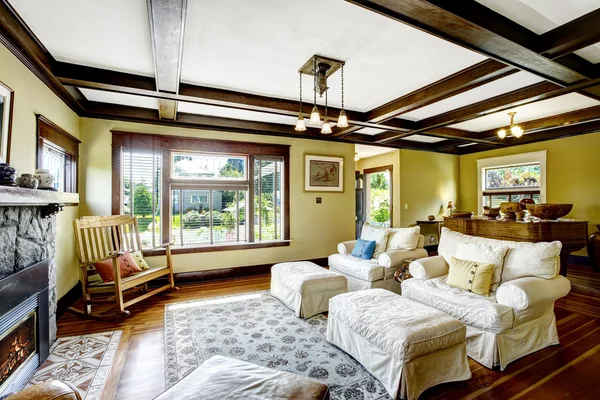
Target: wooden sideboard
572, 234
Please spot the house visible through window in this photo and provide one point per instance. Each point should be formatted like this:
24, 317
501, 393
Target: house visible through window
58, 152
203, 199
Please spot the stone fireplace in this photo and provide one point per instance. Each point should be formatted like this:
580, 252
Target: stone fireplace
28, 296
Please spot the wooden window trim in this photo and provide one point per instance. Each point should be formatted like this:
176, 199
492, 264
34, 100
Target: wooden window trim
54, 135
167, 144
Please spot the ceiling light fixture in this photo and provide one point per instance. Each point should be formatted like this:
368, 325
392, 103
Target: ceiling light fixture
321, 68
515, 130
300, 125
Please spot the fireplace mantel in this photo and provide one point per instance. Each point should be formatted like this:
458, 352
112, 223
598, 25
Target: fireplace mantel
16, 196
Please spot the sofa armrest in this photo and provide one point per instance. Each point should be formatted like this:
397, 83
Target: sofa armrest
526, 292
346, 247
428, 268
395, 258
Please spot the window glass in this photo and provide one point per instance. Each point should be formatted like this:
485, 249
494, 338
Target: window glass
55, 161
267, 199
208, 166
521, 176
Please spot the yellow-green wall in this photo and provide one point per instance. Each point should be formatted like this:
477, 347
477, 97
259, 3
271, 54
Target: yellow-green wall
392, 158
32, 97
316, 229
571, 175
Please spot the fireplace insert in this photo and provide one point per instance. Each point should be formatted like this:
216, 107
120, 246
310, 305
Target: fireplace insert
17, 346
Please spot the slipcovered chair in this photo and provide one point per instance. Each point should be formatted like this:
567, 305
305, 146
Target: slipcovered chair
394, 247
517, 318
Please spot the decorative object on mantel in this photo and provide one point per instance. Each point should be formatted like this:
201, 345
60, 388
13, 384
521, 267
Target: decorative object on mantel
45, 178
431, 217
461, 214
7, 175
523, 203
323, 173
515, 130
593, 248
509, 208
520, 215
549, 211
491, 212
320, 68
27, 181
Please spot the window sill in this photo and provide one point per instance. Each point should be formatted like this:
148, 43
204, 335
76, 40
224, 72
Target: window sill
217, 247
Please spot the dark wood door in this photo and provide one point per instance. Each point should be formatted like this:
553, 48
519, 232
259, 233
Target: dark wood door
361, 199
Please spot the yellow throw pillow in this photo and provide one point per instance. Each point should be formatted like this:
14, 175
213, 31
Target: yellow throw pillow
471, 276
139, 260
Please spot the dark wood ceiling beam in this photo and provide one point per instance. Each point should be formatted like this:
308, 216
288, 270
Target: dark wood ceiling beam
167, 25
23, 44
548, 134
477, 28
572, 36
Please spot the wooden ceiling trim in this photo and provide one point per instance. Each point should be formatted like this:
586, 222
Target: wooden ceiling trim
167, 26
475, 27
23, 44
572, 36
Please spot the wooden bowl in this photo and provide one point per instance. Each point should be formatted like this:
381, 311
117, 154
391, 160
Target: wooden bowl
461, 214
549, 211
491, 212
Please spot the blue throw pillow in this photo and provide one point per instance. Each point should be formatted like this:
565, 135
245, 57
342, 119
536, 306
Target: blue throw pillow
364, 249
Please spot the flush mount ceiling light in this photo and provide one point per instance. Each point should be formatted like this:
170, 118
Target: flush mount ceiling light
513, 129
320, 68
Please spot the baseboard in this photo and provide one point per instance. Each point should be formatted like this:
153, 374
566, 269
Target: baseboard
579, 260
229, 273
68, 300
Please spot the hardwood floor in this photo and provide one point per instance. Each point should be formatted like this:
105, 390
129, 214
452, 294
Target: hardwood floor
567, 371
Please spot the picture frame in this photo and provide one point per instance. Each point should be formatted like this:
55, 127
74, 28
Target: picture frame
323, 173
6, 112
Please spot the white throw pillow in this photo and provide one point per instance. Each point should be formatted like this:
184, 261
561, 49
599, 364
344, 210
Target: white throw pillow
403, 238
449, 241
378, 234
532, 259
482, 253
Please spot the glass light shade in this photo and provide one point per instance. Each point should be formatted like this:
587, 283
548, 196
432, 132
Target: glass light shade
517, 131
342, 120
315, 117
502, 133
300, 125
326, 127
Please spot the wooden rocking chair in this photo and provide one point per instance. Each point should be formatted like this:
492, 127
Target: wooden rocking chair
105, 238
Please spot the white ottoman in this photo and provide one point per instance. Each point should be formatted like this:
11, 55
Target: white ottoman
408, 346
305, 287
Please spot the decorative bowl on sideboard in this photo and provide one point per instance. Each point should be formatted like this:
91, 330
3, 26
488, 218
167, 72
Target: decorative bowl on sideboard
461, 214
549, 211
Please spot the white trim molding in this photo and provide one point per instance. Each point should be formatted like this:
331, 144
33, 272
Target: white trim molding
511, 160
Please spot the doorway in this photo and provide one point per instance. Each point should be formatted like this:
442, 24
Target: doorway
378, 195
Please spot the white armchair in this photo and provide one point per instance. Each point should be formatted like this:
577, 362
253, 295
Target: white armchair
515, 320
376, 272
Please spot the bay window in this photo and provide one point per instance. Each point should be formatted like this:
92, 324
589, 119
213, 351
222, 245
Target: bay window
196, 193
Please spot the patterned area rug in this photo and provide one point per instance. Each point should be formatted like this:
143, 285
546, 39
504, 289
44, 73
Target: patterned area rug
258, 328
84, 361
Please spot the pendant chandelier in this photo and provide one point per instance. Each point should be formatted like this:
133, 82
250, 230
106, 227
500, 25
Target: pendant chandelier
515, 130
321, 68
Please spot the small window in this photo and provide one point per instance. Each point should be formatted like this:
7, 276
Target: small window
209, 166
58, 152
519, 176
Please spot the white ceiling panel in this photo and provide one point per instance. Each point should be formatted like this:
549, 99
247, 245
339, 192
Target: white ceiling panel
365, 151
370, 131
540, 109
110, 34
495, 88
258, 47
424, 138
119, 98
541, 16
202, 109
590, 53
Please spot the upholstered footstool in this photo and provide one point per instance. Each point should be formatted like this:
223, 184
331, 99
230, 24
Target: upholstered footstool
409, 347
223, 378
305, 287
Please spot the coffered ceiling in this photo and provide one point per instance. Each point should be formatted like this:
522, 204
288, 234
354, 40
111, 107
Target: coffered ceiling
421, 74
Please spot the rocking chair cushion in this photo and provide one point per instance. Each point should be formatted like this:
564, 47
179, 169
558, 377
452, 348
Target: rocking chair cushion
127, 266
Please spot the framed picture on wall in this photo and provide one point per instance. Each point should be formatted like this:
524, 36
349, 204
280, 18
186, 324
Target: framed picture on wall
323, 173
6, 108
